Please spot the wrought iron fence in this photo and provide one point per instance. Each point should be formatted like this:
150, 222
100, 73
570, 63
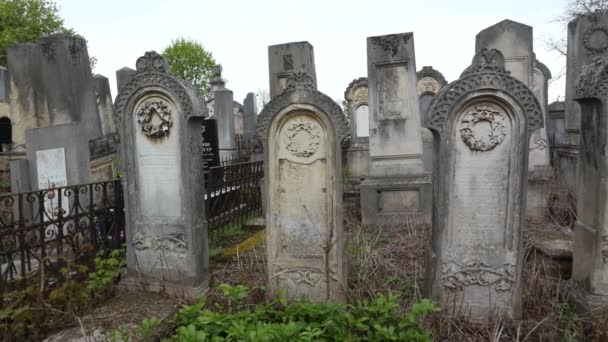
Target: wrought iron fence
41, 231
233, 195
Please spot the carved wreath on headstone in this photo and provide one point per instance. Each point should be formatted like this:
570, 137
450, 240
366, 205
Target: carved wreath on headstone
596, 40
484, 142
154, 118
303, 139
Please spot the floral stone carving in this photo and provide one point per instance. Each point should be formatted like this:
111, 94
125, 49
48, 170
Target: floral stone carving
455, 275
303, 139
173, 242
477, 114
154, 118
596, 40
302, 275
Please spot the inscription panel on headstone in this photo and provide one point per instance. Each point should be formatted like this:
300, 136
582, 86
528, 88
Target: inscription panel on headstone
393, 91
211, 148
478, 213
158, 167
518, 66
398, 201
51, 169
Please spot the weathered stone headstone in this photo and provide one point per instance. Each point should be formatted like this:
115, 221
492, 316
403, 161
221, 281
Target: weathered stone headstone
397, 189
556, 132
249, 118
224, 115
211, 149
589, 285
302, 130
123, 76
515, 41
159, 118
357, 155
3, 84
429, 83
481, 125
286, 59
104, 104
51, 84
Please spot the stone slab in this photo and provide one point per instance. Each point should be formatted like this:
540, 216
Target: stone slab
286, 59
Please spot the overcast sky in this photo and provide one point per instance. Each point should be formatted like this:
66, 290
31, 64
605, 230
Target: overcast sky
238, 33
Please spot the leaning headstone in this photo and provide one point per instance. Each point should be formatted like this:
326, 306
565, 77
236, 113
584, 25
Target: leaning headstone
482, 123
357, 155
429, 84
397, 189
588, 288
249, 118
159, 118
302, 130
515, 41
285, 59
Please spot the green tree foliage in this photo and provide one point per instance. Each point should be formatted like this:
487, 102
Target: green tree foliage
190, 61
23, 21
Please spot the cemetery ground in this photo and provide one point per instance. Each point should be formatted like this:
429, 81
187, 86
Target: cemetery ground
385, 296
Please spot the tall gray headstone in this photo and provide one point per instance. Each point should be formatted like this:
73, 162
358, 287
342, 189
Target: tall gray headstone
250, 115
105, 108
123, 76
357, 155
588, 287
429, 84
160, 119
515, 41
285, 59
51, 84
397, 188
481, 124
556, 130
3, 84
302, 131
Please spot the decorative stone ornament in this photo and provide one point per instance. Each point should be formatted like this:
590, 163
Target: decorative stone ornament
482, 123
302, 131
300, 79
159, 118
154, 118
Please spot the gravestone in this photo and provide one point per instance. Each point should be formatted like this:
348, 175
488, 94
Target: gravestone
123, 76
556, 131
211, 149
357, 155
3, 84
481, 124
515, 41
249, 118
105, 107
223, 113
285, 59
159, 118
588, 288
302, 131
397, 189
429, 83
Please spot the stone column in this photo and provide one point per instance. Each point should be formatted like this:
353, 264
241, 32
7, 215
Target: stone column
429, 84
249, 118
397, 188
123, 76
223, 111
285, 59
588, 288
160, 118
515, 41
481, 124
302, 130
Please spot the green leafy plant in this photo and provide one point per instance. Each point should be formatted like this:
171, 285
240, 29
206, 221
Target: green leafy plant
189, 60
380, 319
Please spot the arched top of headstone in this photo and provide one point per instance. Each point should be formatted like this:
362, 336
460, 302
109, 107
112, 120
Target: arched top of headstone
429, 81
357, 92
300, 90
543, 68
593, 80
487, 72
153, 71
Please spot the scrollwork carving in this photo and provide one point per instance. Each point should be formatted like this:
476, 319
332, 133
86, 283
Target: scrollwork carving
300, 80
489, 114
303, 139
390, 43
478, 273
173, 242
593, 80
302, 275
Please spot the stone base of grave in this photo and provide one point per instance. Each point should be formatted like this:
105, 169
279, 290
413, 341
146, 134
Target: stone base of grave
584, 302
134, 283
538, 190
396, 201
